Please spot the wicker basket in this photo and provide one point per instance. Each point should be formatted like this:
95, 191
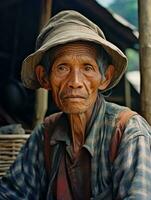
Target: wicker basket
9, 148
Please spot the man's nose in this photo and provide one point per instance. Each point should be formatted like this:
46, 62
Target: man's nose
75, 79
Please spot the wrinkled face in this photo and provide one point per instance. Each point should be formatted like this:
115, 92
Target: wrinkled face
75, 77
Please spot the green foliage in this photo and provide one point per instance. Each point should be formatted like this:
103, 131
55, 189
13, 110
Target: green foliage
133, 59
128, 9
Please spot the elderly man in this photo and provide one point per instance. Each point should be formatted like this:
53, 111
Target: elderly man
73, 155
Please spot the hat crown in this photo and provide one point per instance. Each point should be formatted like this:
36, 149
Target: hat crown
65, 18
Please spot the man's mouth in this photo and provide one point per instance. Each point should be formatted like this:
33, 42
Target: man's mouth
74, 97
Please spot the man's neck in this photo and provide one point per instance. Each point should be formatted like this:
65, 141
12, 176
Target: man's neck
78, 123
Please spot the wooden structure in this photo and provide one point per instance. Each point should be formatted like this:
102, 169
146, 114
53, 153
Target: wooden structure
10, 145
145, 57
41, 101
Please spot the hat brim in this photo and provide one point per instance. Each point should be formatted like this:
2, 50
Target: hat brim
64, 36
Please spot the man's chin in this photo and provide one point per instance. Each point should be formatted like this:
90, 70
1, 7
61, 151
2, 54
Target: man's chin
74, 110
75, 107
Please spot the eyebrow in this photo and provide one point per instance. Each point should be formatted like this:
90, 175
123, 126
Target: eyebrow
66, 58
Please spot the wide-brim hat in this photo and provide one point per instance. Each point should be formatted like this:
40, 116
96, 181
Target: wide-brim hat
66, 27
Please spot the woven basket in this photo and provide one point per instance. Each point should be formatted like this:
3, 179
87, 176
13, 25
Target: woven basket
9, 148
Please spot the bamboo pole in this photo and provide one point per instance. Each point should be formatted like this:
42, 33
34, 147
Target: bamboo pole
145, 57
46, 12
41, 103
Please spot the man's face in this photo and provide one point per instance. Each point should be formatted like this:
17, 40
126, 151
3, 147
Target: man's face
75, 78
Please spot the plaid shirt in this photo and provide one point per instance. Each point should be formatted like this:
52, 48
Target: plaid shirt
128, 178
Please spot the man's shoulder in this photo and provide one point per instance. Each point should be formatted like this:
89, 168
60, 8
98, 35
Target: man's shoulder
51, 119
36, 134
138, 125
113, 109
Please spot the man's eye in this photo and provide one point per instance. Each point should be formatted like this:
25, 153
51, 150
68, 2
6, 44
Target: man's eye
62, 68
88, 68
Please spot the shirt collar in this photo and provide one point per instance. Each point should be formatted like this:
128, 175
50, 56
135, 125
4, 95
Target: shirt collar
62, 128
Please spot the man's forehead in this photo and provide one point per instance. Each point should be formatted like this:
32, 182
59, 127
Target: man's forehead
76, 48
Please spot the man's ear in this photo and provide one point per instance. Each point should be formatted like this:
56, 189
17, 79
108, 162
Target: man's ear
42, 77
108, 77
